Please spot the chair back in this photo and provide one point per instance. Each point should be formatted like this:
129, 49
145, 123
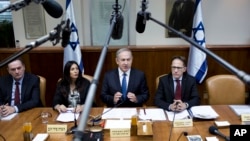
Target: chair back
42, 89
157, 80
225, 89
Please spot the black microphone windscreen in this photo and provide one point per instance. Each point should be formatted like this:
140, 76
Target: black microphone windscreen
213, 129
140, 22
118, 28
53, 8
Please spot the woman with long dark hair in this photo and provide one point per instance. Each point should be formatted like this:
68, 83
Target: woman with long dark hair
71, 90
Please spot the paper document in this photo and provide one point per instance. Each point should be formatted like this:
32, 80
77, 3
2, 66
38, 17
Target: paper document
9, 117
41, 137
177, 115
152, 114
111, 124
240, 109
119, 113
68, 116
203, 112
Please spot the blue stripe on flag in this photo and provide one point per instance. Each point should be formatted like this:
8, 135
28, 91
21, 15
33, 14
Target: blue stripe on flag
197, 63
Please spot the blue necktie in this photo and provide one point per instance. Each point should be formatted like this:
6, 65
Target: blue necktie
124, 87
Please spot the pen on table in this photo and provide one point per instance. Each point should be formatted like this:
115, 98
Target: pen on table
144, 110
36, 117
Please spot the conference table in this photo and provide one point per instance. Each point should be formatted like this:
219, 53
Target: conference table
12, 129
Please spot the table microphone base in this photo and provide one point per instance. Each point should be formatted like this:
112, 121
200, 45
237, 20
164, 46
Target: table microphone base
72, 130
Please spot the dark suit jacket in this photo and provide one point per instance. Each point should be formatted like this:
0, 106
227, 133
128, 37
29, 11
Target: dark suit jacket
30, 94
165, 91
137, 85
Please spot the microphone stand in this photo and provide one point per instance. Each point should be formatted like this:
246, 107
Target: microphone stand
16, 5
78, 135
239, 73
170, 134
53, 35
74, 128
98, 117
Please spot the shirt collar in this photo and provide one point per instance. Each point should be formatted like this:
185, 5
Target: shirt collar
121, 72
177, 79
20, 81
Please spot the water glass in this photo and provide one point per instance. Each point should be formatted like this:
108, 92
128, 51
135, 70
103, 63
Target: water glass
45, 116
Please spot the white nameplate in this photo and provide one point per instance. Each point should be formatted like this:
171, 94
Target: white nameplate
183, 123
245, 117
119, 132
56, 128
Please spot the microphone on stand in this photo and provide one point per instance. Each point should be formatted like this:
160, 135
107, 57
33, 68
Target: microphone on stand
214, 130
117, 16
74, 104
66, 34
99, 117
51, 7
182, 133
173, 121
142, 17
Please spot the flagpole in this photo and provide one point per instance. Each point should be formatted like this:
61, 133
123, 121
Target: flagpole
239, 73
79, 134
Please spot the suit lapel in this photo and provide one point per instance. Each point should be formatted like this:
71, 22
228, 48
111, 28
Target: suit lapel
9, 89
24, 86
183, 83
117, 81
130, 83
171, 85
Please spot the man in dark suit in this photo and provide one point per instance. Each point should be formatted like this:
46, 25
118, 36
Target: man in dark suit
28, 95
166, 92
136, 92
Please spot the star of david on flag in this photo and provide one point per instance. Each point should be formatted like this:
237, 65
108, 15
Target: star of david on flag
197, 63
72, 51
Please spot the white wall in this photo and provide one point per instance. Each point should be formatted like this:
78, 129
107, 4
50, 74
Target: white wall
227, 22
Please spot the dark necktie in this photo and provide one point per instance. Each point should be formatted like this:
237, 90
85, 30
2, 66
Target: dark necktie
178, 90
17, 94
124, 86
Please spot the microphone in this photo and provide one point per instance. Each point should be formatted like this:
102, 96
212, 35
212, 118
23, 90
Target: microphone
182, 133
170, 134
74, 104
214, 130
66, 34
118, 27
99, 117
51, 7
142, 17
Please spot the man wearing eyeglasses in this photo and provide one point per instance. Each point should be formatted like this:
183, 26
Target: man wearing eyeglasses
177, 91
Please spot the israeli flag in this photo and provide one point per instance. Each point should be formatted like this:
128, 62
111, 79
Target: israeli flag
72, 51
197, 64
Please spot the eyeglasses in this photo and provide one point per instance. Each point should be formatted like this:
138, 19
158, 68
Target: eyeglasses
178, 68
